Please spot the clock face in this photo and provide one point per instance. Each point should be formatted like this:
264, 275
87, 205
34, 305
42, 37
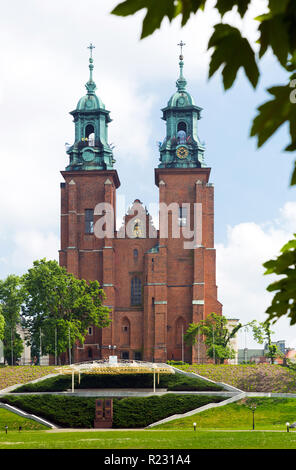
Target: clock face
182, 152
88, 155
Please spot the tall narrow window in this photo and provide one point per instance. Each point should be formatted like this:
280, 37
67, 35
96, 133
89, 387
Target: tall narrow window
136, 254
182, 216
89, 220
136, 291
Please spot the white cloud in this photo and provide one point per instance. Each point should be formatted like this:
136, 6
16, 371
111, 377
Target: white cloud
30, 245
240, 274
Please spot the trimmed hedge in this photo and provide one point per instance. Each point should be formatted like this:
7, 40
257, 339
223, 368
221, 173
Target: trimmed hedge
172, 382
132, 412
71, 412
140, 412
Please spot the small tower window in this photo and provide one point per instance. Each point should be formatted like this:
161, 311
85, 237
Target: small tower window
181, 132
90, 135
89, 221
136, 254
182, 216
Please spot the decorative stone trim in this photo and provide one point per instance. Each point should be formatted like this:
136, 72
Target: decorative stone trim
198, 302
156, 284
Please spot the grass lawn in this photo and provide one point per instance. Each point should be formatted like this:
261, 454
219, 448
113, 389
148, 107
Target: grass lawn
270, 414
13, 421
148, 439
249, 378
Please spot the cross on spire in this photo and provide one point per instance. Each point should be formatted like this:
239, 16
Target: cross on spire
91, 47
181, 44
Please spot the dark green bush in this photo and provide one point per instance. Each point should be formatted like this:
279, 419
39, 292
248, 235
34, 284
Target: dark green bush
140, 412
171, 382
70, 412
133, 412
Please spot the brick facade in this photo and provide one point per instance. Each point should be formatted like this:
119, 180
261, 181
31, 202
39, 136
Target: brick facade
178, 284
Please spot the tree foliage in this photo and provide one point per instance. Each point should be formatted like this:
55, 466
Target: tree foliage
261, 333
11, 299
284, 300
216, 334
2, 325
232, 52
58, 308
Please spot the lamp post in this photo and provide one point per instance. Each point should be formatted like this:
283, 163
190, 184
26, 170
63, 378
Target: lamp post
253, 408
194, 426
288, 427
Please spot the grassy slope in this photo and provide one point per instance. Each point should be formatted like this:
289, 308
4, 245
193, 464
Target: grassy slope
13, 421
21, 374
250, 378
271, 414
148, 440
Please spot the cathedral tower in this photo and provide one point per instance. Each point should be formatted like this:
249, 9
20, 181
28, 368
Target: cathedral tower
156, 282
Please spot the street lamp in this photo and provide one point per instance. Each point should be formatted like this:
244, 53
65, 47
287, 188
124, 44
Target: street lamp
288, 426
253, 408
194, 426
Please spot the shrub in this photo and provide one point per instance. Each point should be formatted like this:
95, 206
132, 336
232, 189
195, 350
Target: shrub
132, 412
170, 381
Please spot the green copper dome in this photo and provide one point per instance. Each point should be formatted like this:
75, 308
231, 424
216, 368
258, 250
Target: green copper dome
181, 147
90, 102
181, 99
91, 150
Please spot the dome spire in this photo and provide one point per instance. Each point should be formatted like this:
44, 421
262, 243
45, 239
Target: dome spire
90, 85
181, 82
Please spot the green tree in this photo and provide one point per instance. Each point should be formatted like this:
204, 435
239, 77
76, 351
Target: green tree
11, 299
2, 325
232, 52
216, 334
262, 333
284, 300
58, 307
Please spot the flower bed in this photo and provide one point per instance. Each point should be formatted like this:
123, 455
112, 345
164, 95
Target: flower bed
22, 374
249, 378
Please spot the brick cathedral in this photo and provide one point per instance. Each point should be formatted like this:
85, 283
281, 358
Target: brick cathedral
155, 285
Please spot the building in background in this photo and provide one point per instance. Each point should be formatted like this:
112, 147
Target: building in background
281, 345
154, 286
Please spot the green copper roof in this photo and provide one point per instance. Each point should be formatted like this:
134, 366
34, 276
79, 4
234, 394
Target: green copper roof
181, 147
91, 101
182, 97
91, 150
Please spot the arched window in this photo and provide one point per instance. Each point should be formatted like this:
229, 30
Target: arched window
182, 126
136, 291
90, 134
136, 254
181, 132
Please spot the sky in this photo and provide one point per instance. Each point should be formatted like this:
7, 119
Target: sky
44, 67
